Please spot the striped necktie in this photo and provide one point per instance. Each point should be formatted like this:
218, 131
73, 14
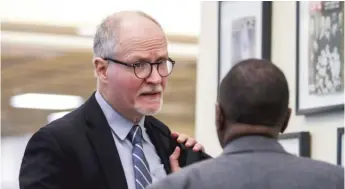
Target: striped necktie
141, 167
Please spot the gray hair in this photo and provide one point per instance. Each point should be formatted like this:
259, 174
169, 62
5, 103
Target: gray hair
105, 37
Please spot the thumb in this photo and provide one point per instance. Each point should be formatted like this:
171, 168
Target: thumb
174, 160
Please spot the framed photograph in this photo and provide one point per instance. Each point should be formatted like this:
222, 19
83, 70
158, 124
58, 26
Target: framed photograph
340, 146
297, 143
319, 57
244, 31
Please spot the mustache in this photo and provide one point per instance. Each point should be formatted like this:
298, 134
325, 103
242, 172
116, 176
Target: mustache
151, 89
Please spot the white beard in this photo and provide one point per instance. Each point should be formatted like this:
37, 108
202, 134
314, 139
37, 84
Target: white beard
146, 112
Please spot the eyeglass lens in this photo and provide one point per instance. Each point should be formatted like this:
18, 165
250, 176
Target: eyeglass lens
143, 69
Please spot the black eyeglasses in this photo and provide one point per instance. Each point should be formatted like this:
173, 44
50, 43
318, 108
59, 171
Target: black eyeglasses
143, 69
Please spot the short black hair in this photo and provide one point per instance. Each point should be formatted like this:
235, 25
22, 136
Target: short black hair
254, 92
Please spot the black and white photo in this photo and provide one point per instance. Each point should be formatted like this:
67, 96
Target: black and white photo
244, 31
243, 38
326, 62
320, 56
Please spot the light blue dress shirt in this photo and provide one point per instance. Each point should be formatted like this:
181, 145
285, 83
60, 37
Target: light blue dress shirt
121, 127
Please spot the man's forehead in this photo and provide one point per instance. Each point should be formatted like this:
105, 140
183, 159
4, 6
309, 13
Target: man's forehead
135, 30
139, 37
136, 54
149, 56
142, 46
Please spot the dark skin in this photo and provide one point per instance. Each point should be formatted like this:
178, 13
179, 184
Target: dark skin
227, 131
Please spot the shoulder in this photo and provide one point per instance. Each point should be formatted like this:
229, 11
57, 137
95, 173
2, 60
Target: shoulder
321, 168
60, 131
320, 173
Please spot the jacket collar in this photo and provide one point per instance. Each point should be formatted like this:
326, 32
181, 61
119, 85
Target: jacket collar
100, 136
252, 143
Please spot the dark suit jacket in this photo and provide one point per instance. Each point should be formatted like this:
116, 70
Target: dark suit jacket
256, 162
78, 152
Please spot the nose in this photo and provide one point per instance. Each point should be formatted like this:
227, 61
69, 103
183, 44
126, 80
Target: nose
154, 78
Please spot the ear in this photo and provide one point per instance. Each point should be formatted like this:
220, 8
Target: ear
286, 121
219, 118
101, 67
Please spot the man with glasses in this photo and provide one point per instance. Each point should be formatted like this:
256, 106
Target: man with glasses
113, 141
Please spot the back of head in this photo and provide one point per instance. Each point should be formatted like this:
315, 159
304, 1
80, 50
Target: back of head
254, 92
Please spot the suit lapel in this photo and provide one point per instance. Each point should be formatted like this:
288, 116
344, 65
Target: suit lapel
102, 140
160, 141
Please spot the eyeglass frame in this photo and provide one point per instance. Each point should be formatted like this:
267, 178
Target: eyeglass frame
138, 63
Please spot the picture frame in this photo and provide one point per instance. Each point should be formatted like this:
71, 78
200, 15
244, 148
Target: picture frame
246, 25
319, 57
340, 147
297, 143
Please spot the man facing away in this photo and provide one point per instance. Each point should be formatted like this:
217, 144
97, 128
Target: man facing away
252, 109
112, 141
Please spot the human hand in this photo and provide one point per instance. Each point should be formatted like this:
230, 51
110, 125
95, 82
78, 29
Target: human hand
188, 141
174, 165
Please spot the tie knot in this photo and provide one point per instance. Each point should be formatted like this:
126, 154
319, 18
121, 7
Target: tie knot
135, 135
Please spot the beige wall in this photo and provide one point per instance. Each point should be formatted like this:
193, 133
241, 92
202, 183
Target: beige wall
322, 127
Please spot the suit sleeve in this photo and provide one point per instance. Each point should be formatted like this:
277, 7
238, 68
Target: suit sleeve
167, 184
178, 180
42, 165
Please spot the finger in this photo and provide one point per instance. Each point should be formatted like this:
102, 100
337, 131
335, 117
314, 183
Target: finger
182, 138
176, 154
190, 142
174, 160
174, 134
198, 147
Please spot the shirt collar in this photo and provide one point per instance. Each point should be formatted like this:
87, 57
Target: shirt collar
120, 125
